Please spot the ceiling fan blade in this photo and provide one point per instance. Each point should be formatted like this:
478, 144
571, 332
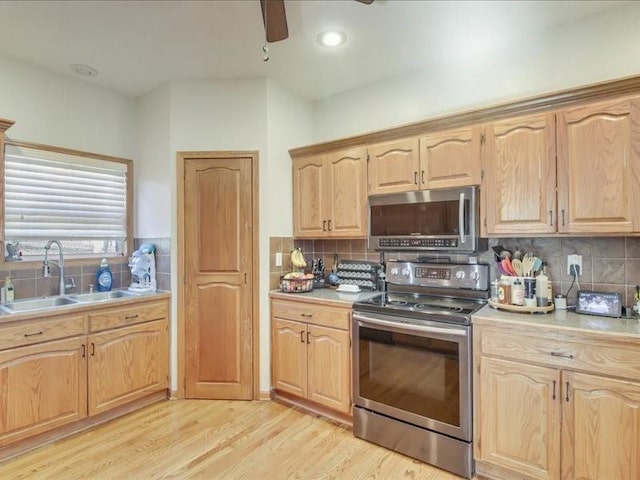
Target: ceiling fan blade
368, 2
275, 20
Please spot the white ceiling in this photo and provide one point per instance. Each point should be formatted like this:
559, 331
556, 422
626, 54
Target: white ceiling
139, 45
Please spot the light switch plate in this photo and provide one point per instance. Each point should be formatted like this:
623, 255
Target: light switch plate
279, 259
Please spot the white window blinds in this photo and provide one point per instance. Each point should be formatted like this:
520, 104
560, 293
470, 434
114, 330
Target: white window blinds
58, 195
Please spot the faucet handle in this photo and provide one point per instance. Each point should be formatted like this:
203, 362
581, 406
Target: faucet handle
91, 288
71, 284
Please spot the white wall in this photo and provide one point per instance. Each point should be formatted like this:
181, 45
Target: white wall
65, 112
248, 114
591, 50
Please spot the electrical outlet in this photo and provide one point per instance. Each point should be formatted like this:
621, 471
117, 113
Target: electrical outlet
279, 259
576, 262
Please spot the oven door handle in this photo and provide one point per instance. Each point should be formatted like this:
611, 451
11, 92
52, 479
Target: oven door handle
461, 218
458, 332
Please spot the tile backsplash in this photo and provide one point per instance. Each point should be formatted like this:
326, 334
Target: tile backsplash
29, 282
609, 264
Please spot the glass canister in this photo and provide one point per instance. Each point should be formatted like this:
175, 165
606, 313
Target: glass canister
504, 291
494, 290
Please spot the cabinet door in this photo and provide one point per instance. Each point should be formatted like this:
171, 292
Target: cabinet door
520, 411
520, 176
289, 356
310, 211
450, 159
394, 167
328, 368
601, 428
346, 193
42, 387
599, 167
126, 364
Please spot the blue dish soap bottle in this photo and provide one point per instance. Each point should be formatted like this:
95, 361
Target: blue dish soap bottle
104, 277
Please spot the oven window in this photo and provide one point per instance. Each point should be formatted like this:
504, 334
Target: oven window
432, 218
415, 374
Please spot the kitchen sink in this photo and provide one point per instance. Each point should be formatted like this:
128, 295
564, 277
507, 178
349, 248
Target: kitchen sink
37, 304
100, 296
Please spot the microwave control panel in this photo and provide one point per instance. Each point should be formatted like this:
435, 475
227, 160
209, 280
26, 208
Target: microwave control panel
418, 242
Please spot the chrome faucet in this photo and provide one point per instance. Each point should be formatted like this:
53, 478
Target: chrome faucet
46, 273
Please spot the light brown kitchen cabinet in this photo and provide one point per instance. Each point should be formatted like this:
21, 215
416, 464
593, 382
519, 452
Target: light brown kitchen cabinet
555, 404
311, 352
394, 167
519, 183
599, 167
42, 387
330, 195
126, 364
450, 158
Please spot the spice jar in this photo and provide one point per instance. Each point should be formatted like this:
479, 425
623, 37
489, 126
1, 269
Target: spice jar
517, 293
494, 290
504, 292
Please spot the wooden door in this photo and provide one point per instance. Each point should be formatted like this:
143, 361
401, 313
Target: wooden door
346, 194
328, 372
520, 176
601, 428
394, 167
289, 356
218, 236
450, 158
520, 412
42, 387
599, 167
310, 209
126, 364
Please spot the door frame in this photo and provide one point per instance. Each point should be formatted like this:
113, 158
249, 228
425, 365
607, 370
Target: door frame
181, 158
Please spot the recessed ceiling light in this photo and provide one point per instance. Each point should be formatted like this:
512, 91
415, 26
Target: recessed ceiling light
332, 38
84, 70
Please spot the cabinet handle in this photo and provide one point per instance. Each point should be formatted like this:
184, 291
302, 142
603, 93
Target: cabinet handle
329, 224
562, 354
415, 177
567, 397
130, 317
301, 336
551, 217
308, 337
324, 225
84, 350
563, 217
93, 349
33, 334
553, 396
308, 315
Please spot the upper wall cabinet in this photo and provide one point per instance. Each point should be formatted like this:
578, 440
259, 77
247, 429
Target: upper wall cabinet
599, 167
450, 158
394, 167
330, 195
519, 183
438, 160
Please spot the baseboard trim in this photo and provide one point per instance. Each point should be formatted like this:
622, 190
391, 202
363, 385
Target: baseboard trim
312, 407
265, 395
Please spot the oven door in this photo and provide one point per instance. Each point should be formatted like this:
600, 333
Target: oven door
417, 373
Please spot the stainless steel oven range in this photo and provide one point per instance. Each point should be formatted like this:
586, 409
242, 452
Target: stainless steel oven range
412, 362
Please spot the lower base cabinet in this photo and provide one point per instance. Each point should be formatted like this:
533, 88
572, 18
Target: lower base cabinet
53, 374
541, 415
309, 360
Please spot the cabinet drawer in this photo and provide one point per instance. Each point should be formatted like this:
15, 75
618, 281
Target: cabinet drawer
595, 356
29, 332
129, 315
300, 311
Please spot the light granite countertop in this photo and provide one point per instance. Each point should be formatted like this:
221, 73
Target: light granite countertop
563, 320
326, 295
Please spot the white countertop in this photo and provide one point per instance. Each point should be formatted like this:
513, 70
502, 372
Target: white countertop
321, 295
562, 319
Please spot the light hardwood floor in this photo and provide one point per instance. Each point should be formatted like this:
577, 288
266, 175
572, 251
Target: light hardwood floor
206, 439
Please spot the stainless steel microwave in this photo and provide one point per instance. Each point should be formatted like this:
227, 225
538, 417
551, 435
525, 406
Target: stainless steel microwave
426, 220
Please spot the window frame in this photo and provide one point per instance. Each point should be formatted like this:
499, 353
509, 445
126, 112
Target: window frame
88, 259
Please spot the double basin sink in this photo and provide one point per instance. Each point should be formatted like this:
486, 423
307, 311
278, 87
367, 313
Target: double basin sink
30, 305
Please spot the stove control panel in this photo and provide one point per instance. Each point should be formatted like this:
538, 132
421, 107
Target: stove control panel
474, 277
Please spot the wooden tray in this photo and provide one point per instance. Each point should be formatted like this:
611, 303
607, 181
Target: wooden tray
521, 309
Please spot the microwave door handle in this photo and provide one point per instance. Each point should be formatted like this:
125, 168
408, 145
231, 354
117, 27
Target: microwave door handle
461, 218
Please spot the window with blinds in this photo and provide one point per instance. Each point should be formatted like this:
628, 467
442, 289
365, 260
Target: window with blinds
76, 198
